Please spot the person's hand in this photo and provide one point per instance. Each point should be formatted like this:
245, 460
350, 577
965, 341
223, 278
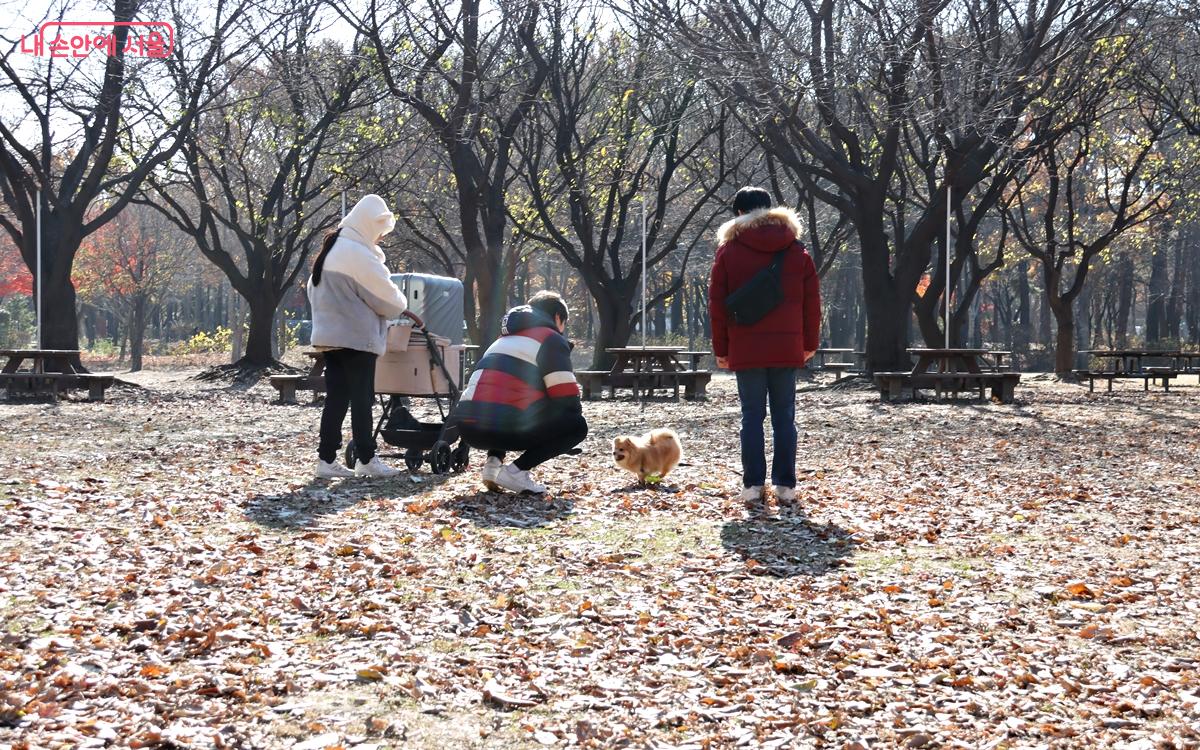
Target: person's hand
809, 355
723, 363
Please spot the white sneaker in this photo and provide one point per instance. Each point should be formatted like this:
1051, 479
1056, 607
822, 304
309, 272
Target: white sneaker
752, 494
785, 494
514, 480
489, 472
374, 468
326, 470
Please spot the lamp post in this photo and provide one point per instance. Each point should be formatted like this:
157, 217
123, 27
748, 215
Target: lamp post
38, 301
946, 174
643, 197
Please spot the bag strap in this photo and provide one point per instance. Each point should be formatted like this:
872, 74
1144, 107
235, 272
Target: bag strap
777, 262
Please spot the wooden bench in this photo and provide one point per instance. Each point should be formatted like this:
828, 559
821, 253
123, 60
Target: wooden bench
841, 369
1165, 374
96, 384
287, 385
1147, 376
591, 382
694, 382
26, 384
1003, 384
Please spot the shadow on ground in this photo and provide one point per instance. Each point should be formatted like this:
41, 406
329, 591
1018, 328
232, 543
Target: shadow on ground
302, 507
498, 509
787, 543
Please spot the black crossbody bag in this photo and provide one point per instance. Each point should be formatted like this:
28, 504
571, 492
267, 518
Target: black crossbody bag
751, 302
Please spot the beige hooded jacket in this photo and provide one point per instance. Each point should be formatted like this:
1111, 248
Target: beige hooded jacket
356, 298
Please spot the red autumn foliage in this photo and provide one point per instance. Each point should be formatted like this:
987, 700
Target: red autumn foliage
14, 276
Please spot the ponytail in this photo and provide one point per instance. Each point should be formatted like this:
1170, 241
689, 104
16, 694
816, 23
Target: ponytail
319, 263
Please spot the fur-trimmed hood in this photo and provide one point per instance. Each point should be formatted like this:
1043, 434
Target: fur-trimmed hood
771, 223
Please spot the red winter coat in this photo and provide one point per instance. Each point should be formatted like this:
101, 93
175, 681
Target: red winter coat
747, 245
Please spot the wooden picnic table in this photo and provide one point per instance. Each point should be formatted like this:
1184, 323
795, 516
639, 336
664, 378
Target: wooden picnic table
957, 360
822, 357
470, 356
646, 358
1130, 360
694, 358
1186, 361
646, 369
952, 370
59, 360
48, 371
1129, 363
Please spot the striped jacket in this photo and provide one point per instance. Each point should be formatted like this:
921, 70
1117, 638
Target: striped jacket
523, 380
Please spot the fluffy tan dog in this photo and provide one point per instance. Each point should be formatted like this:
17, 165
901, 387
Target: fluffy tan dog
654, 454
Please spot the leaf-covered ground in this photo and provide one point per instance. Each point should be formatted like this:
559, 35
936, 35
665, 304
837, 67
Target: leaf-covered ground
954, 575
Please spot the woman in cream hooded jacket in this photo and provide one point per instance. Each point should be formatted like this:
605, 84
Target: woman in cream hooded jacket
353, 298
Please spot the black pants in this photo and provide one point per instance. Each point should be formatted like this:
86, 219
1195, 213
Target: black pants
349, 383
554, 438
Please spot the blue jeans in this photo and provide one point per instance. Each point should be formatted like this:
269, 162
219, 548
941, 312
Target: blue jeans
756, 388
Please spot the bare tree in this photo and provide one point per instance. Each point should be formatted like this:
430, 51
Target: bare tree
1105, 178
619, 127
92, 130
472, 72
261, 174
834, 87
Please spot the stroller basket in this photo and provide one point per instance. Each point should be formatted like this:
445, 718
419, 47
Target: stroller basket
405, 431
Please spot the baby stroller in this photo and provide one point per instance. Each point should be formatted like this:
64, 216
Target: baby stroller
418, 364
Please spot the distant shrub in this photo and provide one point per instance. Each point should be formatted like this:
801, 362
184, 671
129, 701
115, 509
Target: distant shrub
202, 342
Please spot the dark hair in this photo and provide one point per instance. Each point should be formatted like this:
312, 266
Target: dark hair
319, 263
550, 303
751, 198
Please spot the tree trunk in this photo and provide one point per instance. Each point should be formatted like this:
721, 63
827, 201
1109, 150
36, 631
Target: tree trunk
1064, 350
977, 322
137, 333
677, 310
490, 300
889, 312
1124, 298
1175, 300
60, 321
1084, 302
1156, 300
614, 330
1023, 329
928, 310
258, 338
89, 325
1191, 313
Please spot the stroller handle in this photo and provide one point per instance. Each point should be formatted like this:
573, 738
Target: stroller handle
416, 319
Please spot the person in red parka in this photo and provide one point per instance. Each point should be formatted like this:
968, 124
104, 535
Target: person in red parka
765, 356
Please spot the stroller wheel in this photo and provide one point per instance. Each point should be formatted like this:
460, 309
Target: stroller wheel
351, 454
439, 457
413, 459
461, 457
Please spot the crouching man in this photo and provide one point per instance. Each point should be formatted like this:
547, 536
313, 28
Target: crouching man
523, 396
